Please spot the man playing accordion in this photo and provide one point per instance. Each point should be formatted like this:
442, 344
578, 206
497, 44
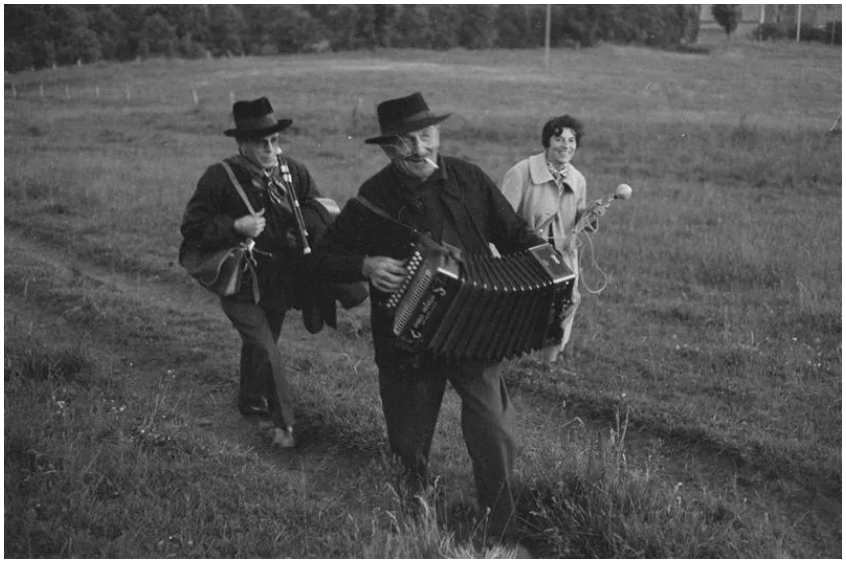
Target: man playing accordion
456, 204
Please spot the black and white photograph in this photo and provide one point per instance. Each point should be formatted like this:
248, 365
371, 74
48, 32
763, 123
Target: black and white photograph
403, 281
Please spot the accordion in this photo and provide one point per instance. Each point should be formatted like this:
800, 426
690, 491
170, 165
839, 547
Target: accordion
477, 307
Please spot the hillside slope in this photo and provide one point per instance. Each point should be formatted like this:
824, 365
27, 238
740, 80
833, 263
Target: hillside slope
170, 346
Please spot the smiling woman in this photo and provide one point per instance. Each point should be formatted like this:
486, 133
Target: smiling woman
549, 193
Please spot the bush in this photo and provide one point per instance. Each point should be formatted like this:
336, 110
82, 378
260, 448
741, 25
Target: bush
828, 34
834, 32
769, 32
822, 34
727, 15
191, 49
808, 32
18, 56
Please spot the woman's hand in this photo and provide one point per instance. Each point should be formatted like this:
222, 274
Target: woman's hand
250, 225
385, 274
570, 309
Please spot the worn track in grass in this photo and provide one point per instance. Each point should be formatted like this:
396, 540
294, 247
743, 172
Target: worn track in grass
322, 460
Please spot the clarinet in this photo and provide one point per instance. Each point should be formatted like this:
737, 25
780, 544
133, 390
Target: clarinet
295, 204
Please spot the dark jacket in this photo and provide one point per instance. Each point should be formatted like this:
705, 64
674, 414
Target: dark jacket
458, 204
209, 219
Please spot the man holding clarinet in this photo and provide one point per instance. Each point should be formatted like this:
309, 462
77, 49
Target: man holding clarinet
253, 197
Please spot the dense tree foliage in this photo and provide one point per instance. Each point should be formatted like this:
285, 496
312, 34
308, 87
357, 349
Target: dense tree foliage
43, 35
727, 15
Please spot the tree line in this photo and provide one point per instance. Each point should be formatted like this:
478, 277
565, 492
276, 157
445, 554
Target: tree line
39, 36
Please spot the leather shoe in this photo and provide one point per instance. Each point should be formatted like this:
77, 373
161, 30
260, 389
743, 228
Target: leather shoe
283, 438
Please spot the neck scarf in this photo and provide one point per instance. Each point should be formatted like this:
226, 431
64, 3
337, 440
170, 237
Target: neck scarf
276, 180
560, 176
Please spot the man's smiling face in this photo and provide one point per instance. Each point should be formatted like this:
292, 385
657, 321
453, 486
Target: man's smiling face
415, 153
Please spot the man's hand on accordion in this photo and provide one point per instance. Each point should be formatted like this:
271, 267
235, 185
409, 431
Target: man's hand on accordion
385, 274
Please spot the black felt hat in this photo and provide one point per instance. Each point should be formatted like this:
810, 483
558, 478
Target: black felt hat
255, 118
403, 115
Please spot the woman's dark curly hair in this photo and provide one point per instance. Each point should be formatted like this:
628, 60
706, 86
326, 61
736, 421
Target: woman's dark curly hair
556, 125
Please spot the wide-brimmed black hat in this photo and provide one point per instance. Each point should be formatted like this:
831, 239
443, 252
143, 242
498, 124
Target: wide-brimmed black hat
403, 115
254, 118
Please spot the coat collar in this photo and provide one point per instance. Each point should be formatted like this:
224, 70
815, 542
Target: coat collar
540, 174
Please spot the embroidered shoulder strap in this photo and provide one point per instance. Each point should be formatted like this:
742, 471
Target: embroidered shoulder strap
238, 187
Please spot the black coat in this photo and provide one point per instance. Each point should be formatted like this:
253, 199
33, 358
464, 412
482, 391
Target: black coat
209, 219
464, 207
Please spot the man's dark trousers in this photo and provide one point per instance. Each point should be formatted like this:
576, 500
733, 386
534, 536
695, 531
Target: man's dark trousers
263, 372
411, 403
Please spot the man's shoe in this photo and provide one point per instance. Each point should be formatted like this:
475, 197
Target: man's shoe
284, 438
256, 406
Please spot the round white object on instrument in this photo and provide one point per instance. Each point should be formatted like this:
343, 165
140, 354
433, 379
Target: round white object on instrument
624, 191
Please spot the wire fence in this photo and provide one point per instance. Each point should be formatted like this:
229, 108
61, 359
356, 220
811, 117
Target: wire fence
127, 94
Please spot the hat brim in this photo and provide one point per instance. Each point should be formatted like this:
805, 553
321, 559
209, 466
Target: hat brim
281, 125
386, 137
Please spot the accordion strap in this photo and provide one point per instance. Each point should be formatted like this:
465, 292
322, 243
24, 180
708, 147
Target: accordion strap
422, 237
373, 208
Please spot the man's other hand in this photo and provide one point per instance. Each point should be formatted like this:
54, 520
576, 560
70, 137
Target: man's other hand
250, 225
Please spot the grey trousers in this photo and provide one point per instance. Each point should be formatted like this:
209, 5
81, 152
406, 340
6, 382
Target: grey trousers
411, 407
263, 372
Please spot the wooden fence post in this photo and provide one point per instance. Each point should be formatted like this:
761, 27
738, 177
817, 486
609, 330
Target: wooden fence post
195, 97
97, 92
41, 90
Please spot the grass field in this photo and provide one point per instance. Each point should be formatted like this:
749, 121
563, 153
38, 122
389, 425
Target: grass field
705, 418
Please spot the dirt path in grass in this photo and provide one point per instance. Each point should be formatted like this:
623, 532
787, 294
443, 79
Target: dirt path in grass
196, 373
202, 339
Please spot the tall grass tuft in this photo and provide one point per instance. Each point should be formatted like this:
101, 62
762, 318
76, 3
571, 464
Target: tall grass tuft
25, 360
587, 501
418, 529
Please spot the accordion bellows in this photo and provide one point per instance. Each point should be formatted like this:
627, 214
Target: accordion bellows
476, 307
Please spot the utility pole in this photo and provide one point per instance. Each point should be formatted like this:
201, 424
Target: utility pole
546, 36
798, 20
